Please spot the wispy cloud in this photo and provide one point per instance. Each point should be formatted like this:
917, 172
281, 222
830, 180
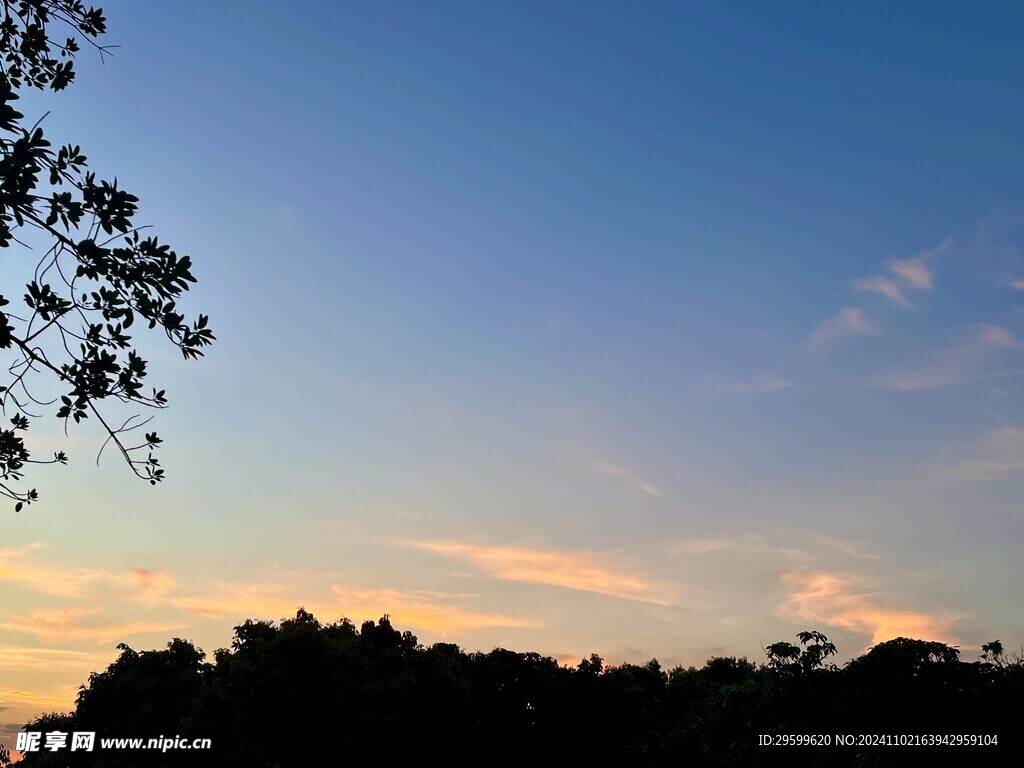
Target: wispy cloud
709, 545
442, 613
1000, 338
17, 658
760, 383
855, 549
848, 321
886, 287
264, 600
22, 703
745, 545
623, 474
586, 571
815, 598
136, 584
437, 612
912, 274
800, 550
963, 362
9, 553
990, 457
98, 593
90, 625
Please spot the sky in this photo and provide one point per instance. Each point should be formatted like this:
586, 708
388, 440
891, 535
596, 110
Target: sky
652, 330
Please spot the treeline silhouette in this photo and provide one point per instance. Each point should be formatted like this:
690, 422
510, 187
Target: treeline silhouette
303, 693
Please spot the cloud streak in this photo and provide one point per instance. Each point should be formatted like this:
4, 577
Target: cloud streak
745, 545
991, 457
847, 322
625, 474
969, 360
88, 625
137, 584
904, 275
17, 658
442, 613
431, 611
237, 601
914, 273
756, 384
580, 570
97, 592
841, 600
886, 287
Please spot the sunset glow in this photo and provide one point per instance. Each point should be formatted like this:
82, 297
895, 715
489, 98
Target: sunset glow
653, 330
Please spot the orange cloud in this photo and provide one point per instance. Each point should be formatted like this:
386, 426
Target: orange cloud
580, 570
249, 601
820, 597
15, 658
81, 625
23, 704
437, 612
134, 585
12, 552
429, 611
34, 696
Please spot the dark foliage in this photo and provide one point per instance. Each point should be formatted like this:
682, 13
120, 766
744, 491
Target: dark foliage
69, 352
306, 693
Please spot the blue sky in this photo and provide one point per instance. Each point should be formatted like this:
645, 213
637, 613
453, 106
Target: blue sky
663, 331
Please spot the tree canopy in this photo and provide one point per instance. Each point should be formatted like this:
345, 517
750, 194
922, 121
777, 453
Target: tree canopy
303, 692
67, 338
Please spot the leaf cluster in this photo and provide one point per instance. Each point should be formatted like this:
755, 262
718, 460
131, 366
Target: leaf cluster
99, 276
